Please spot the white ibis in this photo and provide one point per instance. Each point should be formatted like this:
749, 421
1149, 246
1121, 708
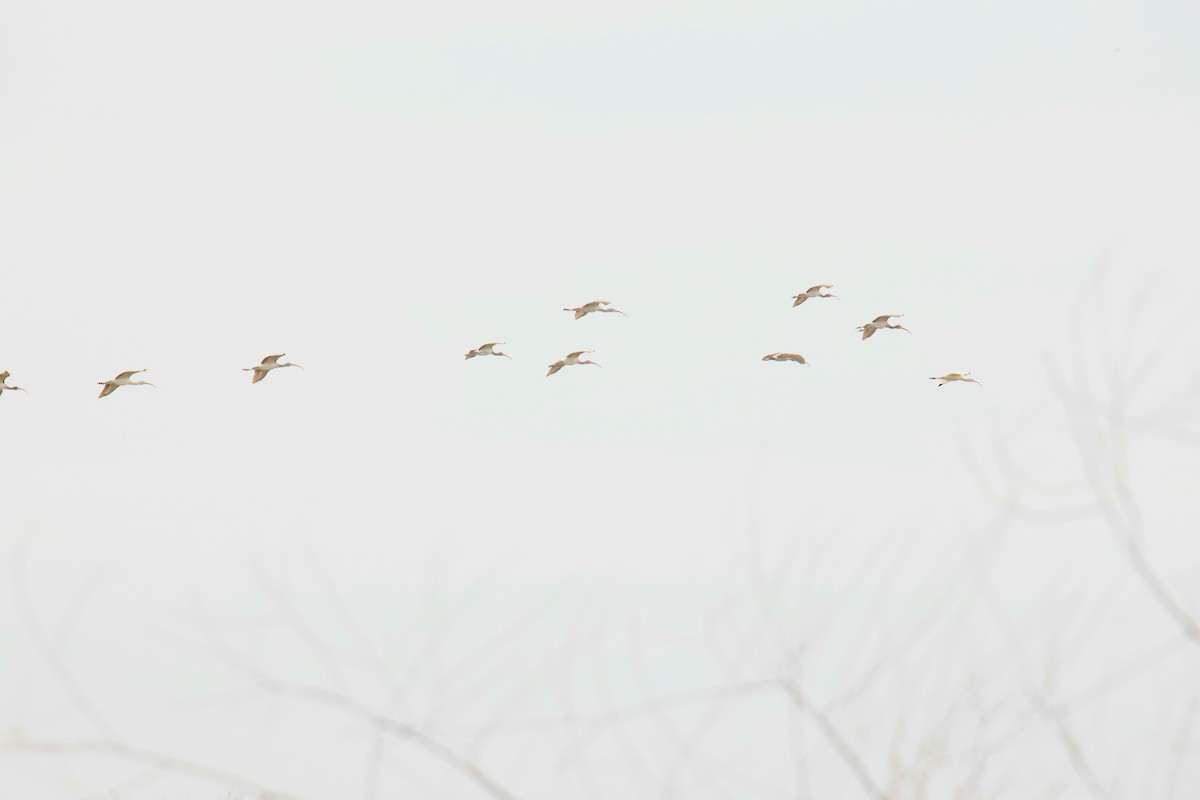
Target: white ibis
955, 376
881, 323
269, 363
799, 359
488, 350
814, 291
571, 360
124, 379
4, 385
595, 306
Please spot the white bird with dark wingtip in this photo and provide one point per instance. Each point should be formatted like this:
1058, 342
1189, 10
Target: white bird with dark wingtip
812, 292
124, 379
881, 323
488, 350
269, 363
955, 376
799, 359
4, 385
595, 306
571, 360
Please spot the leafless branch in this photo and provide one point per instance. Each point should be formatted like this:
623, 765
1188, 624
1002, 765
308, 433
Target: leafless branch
842, 747
46, 647
156, 760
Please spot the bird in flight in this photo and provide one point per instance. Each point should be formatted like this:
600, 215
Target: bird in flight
595, 305
124, 379
269, 363
799, 359
4, 385
955, 376
571, 360
881, 323
488, 350
814, 291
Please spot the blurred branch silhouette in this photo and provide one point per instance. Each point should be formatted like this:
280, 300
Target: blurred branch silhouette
882, 672
156, 760
1098, 421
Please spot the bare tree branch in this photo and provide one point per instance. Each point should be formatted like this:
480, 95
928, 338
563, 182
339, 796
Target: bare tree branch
46, 647
156, 760
842, 747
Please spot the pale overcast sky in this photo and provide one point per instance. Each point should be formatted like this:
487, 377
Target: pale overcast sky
376, 187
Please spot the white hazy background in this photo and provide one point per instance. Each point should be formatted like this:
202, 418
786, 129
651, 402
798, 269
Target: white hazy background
688, 574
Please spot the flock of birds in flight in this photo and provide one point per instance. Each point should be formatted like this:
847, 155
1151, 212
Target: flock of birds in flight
272, 362
882, 322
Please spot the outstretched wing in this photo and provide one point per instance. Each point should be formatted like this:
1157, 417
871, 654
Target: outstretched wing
578, 353
555, 367
259, 374
127, 374
800, 298
273, 359
3, 376
867, 331
882, 319
108, 389
817, 289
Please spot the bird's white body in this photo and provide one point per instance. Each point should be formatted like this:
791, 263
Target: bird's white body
487, 350
269, 363
4, 384
881, 323
124, 379
571, 360
811, 292
595, 306
955, 376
